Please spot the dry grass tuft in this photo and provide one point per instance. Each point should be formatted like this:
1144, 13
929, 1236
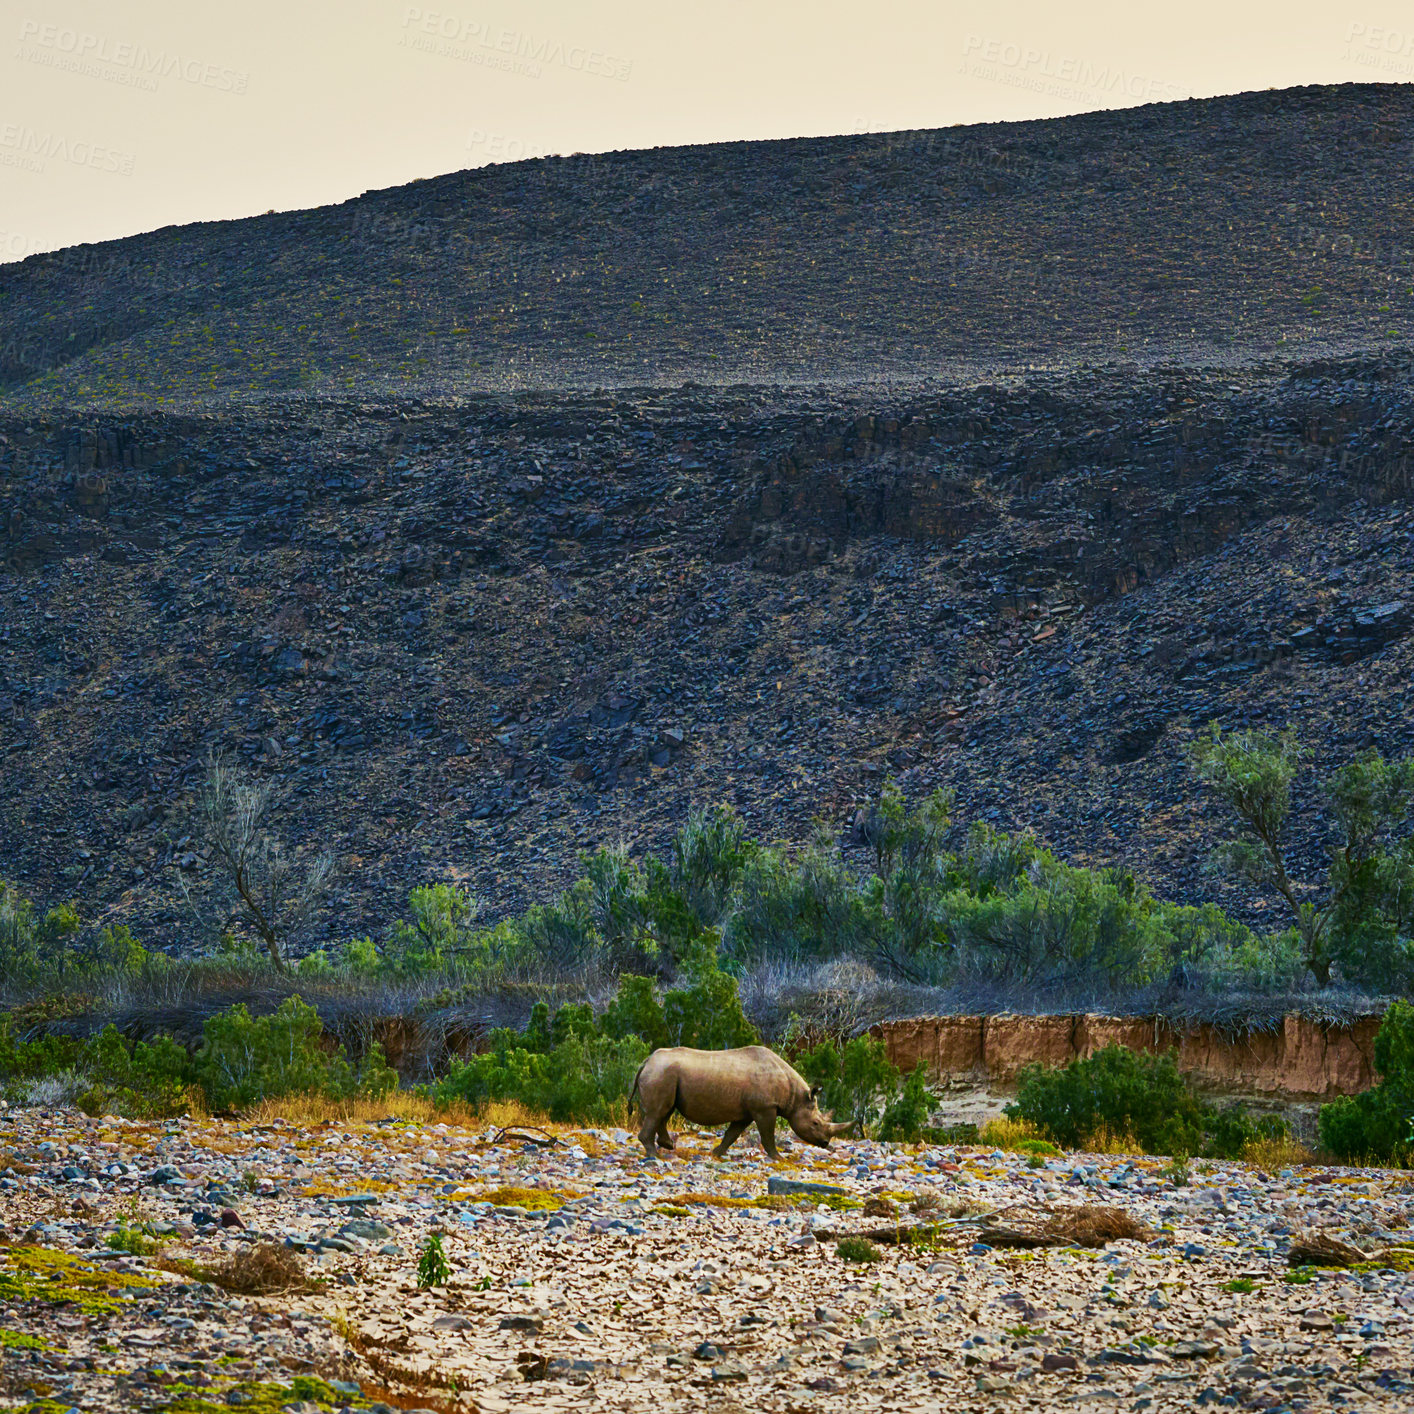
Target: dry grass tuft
1009, 1134
1105, 1141
1083, 1225
1317, 1249
1277, 1153
880, 1208
267, 1269
1091, 1226
312, 1109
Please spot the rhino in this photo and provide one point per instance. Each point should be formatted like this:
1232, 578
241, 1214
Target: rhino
751, 1084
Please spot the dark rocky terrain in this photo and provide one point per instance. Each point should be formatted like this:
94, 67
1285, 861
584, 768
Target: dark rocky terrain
1217, 229
482, 614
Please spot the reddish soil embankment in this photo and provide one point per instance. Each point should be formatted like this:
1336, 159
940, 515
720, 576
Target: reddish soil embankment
1300, 1060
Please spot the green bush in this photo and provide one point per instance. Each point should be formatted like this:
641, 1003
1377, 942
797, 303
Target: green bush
35, 947
433, 1268
1228, 1132
708, 857
141, 1079
1378, 1125
857, 1249
906, 1115
1116, 1089
707, 1014
636, 1010
244, 1059
1137, 1095
582, 1079
579, 1067
135, 1078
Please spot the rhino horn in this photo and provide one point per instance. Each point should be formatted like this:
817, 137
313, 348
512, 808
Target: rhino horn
837, 1129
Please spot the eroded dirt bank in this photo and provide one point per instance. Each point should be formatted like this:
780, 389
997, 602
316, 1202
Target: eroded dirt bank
1301, 1060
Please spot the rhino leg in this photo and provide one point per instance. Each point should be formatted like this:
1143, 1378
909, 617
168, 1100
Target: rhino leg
646, 1132
665, 1139
766, 1128
734, 1132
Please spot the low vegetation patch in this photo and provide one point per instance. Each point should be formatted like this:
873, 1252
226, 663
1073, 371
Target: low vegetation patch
1121, 1101
266, 1269
857, 1249
535, 1200
45, 1274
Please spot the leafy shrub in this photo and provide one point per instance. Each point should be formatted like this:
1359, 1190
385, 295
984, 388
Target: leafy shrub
433, 1268
708, 856
244, 1059
1116, 1090
35, 947
438, 932
636, 1010
705, 1014
584, 1079
906, 1115
1121, 1094
1231, 1133
1378, 1124
111, 1073
135, 1078
579, 1067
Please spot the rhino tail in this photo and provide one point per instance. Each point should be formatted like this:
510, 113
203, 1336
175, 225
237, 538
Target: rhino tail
633, 1094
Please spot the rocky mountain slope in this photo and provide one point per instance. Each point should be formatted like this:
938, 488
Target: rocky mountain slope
1208, 229
478, 629
478, 636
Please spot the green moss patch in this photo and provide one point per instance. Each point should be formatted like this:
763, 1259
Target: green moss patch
18, 1340
45, 1274
534, 1200
262, 1398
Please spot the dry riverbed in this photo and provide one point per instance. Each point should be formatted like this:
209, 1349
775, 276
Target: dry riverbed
582, 1276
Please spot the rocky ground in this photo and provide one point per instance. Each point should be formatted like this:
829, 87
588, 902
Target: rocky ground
584, 1277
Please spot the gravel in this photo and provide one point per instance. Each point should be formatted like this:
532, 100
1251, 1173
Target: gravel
643, 1307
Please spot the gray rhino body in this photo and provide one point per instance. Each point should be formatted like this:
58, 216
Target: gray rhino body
749, 1085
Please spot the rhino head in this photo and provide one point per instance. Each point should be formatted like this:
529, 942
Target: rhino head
812, 1126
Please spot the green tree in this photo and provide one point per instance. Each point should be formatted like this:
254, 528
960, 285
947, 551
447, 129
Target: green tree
1361, 919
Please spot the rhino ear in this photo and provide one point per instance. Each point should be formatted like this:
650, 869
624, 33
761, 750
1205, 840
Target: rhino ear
814, 1092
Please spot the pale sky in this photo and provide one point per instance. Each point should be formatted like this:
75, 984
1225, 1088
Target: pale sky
119, 116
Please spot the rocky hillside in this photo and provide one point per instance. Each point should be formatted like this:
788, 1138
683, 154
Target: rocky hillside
480, 635
1210, 230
